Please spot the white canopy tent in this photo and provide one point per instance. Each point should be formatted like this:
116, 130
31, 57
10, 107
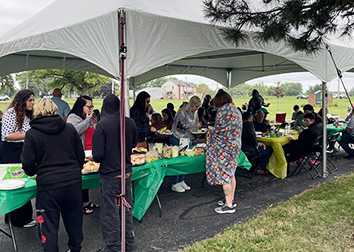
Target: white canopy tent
163, 37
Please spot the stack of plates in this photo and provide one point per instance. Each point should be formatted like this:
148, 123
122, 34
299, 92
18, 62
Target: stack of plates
11, 184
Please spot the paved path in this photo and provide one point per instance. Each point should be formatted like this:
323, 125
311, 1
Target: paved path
186, 217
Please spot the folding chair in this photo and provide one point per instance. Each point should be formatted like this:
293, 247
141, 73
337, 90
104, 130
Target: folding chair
280, 117
309, 161
255, 161
330, 149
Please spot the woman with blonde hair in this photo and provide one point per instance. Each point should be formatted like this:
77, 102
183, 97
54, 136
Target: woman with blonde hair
185, 122
53, 150
15, 124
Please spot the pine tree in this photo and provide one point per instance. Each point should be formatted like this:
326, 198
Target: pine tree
303, 24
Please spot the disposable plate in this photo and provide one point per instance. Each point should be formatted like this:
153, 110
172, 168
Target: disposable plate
11, 184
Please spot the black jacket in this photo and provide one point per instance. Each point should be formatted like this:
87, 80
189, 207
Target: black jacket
106, 147
52, 150
249, 139
306, 139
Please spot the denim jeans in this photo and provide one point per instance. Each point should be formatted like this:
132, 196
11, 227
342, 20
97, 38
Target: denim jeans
110, 214
264, 155
345, 141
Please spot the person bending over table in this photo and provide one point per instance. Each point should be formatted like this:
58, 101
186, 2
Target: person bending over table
259, 123
256, 102
54, 152
305, 141
106, 149
223, 147
185, 122
15, 124
347, 138
251, 147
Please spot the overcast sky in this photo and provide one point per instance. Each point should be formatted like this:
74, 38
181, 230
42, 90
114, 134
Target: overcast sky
14, 12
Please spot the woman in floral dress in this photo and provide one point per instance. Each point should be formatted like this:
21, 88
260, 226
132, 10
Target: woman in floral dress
223, 147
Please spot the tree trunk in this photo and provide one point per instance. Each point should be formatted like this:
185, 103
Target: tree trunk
84, 90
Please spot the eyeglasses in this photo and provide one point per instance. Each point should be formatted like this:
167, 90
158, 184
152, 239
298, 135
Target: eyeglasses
90, 107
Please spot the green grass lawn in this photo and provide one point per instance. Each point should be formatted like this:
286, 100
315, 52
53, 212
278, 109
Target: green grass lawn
286, 104
320, 219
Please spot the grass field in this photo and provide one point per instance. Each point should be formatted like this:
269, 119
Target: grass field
320, 219
286, 104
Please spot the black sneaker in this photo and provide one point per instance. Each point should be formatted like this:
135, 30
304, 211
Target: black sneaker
222, 202
348, 156
225, 209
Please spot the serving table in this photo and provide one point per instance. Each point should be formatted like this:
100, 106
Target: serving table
147, 180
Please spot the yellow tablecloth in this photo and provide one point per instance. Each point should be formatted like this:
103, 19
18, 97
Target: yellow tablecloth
277, 164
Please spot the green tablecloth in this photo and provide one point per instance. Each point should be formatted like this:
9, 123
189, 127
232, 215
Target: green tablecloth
147, 181
331, 129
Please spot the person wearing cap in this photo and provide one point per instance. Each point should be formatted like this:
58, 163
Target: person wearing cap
265, 111
256, 102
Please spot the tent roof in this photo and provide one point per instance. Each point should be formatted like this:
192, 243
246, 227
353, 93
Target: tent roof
164, 37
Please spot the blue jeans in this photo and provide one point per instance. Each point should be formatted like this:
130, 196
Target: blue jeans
345, 141
175, 141
264, 155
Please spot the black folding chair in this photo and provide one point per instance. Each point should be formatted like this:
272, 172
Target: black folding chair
330, 149
255, 161
309, 161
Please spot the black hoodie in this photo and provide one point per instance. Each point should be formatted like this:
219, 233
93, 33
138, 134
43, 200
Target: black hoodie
52, 150
106, 147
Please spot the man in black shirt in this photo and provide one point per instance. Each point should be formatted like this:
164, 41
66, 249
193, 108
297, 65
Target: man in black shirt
305, 141
251, 147
106, 149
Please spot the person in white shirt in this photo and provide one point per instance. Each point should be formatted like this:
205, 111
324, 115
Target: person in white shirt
63, 106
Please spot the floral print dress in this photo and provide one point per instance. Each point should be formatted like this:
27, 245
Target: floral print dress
223, 145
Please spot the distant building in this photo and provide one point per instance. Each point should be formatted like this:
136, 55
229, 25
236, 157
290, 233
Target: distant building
177, 90
154, 92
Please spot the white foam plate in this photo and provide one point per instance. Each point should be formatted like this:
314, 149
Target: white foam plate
88, 153
11, 184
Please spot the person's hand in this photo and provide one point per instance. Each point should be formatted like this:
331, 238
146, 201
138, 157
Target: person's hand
290, 138
198, 125
89, 114
262, 145
301, 129
90, 158
266, 122
153, 129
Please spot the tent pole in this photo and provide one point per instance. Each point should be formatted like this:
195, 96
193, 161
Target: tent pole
122, 54
228, 75
324, 128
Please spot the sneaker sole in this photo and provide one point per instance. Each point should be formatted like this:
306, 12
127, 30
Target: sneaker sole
225, 212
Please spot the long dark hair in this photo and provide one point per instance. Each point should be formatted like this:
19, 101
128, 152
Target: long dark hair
19, 105
139, 103
78, 108
169, 114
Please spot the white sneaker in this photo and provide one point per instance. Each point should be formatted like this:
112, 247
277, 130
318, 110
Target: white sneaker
184, 185
178, 188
